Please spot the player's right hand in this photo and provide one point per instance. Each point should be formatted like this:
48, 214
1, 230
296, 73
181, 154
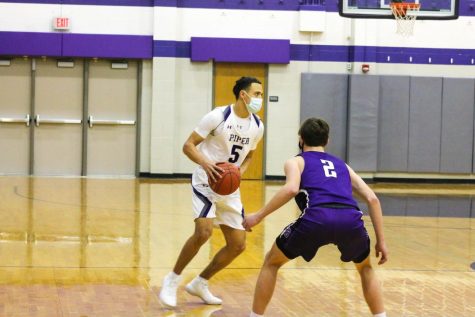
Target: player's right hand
212, 170
250, 221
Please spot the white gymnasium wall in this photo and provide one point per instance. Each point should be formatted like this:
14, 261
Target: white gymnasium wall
22, 17
182, 94
427, 33
195, 98
162, 140
86, 19
283, 117
174, 24
180, 24
177, 92
146, 120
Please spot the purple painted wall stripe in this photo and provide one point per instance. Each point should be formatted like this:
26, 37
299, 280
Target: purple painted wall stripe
134, 3
204, 49
249, 50
374, 54
75, 45
286, 5
109, 46
323, 53
172, 49
30, 43
340, 53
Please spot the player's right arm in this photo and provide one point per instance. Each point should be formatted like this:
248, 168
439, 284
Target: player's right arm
190, 149
207, 124
292, 168
375, 212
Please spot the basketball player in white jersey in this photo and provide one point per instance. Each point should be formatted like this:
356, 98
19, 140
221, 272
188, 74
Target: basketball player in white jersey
226, 134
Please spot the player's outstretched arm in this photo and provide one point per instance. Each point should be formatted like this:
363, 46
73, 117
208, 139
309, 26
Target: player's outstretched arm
375, 212
287, 192
190, 149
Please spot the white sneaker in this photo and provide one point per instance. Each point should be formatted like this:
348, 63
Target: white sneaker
168, 291
199, 287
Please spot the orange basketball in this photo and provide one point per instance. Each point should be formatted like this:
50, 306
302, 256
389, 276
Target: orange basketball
229, 181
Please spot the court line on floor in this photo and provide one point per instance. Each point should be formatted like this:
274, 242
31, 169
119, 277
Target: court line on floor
16, 191
232, 268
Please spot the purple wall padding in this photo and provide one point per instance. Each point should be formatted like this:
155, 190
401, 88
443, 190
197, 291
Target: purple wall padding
240, 50
108, 46
135, 3
75, 45
30, 44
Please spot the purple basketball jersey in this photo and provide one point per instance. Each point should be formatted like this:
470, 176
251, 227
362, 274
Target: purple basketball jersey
325, 182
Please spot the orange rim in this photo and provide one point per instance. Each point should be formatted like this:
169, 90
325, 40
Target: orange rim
405, 5
400, 8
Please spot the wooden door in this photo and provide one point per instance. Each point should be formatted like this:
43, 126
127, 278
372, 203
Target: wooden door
225, 76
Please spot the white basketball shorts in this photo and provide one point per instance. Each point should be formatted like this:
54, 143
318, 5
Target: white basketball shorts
226, 210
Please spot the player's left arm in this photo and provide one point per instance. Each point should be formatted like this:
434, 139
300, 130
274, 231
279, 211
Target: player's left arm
286, 193
375, 212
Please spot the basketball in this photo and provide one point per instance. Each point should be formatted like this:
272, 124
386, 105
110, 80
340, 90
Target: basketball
229, 181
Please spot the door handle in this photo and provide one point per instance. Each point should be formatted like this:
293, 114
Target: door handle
91, 121
25, 120
55, 121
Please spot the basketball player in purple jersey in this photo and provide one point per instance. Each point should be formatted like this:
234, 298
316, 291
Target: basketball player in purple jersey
322, 186
226, 134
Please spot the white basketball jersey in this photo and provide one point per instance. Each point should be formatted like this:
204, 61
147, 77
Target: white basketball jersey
227, 142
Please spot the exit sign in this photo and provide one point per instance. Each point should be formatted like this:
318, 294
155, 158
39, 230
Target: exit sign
61, 23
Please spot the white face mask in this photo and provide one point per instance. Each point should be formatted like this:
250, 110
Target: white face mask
254, 105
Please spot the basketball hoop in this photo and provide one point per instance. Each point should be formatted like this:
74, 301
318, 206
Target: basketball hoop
405, 14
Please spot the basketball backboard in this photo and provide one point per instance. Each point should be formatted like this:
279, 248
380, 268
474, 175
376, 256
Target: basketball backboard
429, 9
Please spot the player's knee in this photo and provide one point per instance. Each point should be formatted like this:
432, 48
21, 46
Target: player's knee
203, 235
365, 270
364, 267
271, 261
237, 248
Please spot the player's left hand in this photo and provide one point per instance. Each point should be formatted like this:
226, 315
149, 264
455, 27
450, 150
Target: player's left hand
250, 221
382, 250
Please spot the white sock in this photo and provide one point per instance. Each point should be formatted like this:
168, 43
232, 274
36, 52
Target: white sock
383, 314
253, 314
173, 275
202, 280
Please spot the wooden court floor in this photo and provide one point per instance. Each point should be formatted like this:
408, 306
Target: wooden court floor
100, 247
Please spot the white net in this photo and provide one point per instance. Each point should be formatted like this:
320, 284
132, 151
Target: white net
405, 15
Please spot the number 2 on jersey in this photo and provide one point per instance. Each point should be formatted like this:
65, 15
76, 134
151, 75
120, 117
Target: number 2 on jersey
328, 168
235, 153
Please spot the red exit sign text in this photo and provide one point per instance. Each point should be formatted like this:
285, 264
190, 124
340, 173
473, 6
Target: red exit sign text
61, 23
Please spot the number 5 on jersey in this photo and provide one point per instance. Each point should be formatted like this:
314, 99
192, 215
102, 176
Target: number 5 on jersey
235, 153
328, 168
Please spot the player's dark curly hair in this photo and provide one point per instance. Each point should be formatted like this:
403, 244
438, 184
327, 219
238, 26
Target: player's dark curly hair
314, 132
244, 83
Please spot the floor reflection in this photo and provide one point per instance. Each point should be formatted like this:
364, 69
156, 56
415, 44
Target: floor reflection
100, 247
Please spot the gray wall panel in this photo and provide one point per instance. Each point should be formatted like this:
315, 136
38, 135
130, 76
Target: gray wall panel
393, 129
425, 124
472, 208
395, 123
325, 96
454, 207
363, 122
457, 125
393, 205
424, 206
